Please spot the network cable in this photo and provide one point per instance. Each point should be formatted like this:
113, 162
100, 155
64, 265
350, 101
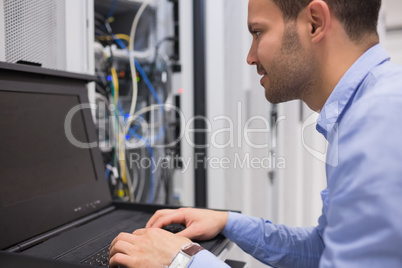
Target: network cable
112, 9
134, 64
150, 87
131, 50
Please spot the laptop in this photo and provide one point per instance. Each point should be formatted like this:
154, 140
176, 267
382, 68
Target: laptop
55, 203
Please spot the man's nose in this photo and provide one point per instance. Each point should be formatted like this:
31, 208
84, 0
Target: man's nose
252, 58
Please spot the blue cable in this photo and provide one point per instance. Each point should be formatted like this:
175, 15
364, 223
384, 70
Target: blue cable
112, 9
141, 71
149, 84
120, 43
107, 173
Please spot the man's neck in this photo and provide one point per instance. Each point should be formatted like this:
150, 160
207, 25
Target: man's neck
334, 60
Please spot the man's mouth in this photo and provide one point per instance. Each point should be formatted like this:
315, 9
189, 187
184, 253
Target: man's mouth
261, 71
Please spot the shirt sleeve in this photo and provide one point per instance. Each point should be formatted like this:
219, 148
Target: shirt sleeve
276, 245
205, 258
364, 220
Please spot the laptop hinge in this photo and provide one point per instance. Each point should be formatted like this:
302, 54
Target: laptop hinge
45, 236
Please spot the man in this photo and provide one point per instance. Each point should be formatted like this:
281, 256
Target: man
326, 53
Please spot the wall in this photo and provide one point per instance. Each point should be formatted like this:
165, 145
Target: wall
392, 20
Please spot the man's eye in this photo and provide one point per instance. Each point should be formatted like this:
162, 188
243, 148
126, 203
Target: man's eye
257, 33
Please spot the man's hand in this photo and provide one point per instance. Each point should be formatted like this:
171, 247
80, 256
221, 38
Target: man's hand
145, 248
201, 224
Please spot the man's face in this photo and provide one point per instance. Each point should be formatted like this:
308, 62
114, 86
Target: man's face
285, 66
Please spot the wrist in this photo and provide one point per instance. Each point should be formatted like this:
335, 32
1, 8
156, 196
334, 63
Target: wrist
225, 217
229, 224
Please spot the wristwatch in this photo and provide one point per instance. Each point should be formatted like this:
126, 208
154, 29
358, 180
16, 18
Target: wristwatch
185, 255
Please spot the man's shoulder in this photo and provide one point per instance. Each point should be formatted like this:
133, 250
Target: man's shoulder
382, 84
378, 99
384, 80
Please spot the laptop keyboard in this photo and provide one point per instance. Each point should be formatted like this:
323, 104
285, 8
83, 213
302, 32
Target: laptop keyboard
100, 258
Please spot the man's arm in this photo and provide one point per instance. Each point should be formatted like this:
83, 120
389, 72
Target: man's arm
272, 244
276, 245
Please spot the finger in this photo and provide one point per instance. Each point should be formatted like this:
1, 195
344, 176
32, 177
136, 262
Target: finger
122, 260
122, 237
140, 232
190, 233
197, 232
174, 217
123, 247
157, 215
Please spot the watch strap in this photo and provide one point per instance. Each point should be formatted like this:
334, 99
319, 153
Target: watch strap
185, 255
192, 249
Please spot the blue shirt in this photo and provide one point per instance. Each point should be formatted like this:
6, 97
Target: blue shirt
361, 221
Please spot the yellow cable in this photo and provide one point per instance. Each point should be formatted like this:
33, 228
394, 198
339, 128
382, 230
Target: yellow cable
120, 137
115, 81
124, 37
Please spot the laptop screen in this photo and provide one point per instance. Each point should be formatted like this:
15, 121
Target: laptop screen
36, 149
52, 172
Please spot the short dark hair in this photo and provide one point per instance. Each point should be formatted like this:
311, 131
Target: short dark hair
359, 17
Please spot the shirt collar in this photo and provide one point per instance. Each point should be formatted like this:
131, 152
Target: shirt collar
346, 88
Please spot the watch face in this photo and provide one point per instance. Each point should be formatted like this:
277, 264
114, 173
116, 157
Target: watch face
180, 261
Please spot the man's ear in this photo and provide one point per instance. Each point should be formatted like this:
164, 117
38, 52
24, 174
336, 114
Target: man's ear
319, 19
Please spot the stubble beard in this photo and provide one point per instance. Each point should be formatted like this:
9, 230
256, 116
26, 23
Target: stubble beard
291, 73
